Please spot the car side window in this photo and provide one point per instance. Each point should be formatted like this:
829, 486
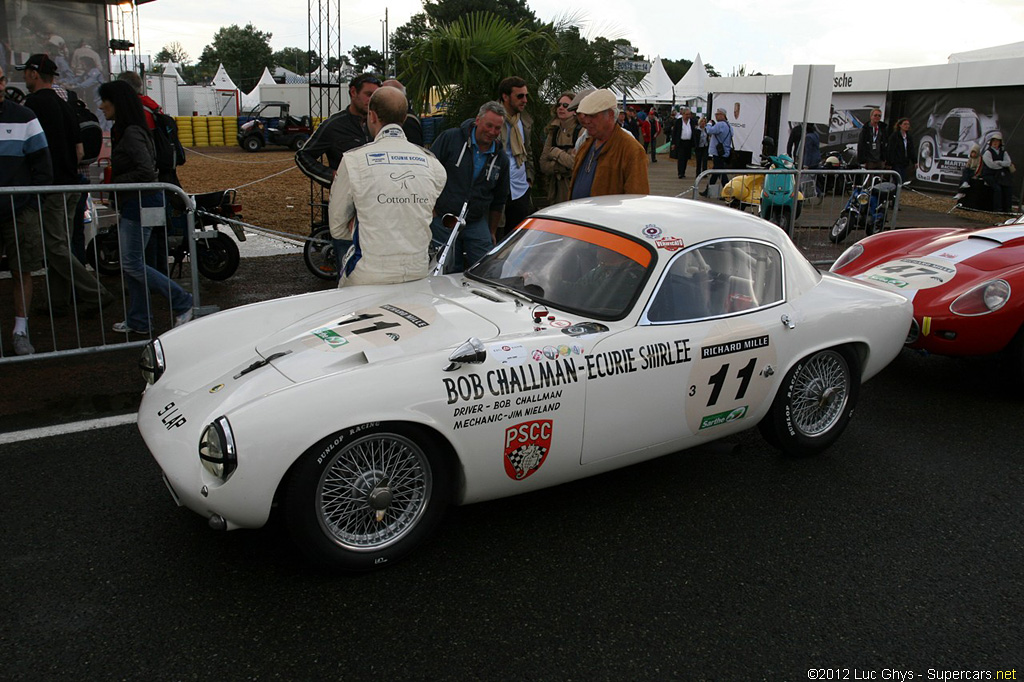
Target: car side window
722, 278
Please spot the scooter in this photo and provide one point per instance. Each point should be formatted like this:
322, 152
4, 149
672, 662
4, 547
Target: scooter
869, 207
217, 255
779, 195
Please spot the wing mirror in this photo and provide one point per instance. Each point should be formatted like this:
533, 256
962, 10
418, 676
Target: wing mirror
472, 352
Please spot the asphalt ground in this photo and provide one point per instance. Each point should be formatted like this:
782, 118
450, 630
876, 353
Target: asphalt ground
63, 389
899, 549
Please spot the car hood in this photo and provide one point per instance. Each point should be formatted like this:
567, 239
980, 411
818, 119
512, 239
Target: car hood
371, 329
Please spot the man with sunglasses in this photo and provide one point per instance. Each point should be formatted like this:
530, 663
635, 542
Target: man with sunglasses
515, 137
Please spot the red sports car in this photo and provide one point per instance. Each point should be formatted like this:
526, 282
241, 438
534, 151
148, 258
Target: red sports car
967, 286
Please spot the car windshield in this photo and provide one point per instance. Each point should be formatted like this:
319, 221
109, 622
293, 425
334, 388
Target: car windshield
571, 267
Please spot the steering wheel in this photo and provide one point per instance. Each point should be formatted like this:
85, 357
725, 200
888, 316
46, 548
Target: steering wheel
14, 94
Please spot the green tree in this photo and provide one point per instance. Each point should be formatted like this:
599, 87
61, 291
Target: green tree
244, 52
676, 68
172, 52
297, 60
712, 71
366, 59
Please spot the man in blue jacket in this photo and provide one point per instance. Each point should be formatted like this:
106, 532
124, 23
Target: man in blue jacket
478, 175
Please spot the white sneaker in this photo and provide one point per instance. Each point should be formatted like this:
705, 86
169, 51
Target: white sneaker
123, 328
965, 185
958, 196
22, 346
183, 318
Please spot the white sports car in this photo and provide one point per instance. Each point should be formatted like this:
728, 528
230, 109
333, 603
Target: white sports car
601, 333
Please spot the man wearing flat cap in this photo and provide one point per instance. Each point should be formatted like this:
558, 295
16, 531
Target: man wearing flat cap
610, 161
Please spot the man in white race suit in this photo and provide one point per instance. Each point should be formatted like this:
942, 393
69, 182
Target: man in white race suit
383, 199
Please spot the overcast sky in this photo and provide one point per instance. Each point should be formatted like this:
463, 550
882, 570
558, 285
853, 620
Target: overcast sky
769, 36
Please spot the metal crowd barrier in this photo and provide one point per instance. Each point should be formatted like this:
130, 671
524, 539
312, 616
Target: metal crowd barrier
826, 194
85, 324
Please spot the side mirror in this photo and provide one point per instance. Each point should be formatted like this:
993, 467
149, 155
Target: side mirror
472, 352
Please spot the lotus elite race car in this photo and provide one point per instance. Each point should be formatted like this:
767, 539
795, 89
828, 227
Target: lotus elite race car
601, 333
965, 285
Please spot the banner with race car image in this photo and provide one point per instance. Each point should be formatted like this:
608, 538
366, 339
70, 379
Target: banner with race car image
850, 112
947, 124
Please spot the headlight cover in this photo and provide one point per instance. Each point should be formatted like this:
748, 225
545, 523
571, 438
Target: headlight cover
217, 449
863, 198
151, 362
850, 255
982, 299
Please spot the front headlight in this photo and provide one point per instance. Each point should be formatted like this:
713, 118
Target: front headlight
217, 449
982, 299
152, 361
850, 255
863, 198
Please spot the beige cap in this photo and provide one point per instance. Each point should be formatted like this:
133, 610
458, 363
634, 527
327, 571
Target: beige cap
579, 98
596, 102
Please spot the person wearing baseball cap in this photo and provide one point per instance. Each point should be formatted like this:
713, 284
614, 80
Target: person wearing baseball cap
610, 161
40, 63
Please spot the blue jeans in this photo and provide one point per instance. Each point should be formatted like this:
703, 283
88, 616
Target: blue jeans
474, 240
140, 279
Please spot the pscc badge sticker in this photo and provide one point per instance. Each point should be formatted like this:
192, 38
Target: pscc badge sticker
526, 447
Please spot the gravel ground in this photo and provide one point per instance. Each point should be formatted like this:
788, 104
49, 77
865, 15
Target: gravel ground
274, 194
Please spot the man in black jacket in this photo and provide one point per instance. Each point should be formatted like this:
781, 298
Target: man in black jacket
685, 135
477, 170
872, 143
65, 274
341, 132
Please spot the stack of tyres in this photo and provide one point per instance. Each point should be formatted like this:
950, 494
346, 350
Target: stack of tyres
200, 131
215, 124
185, 131
230, 129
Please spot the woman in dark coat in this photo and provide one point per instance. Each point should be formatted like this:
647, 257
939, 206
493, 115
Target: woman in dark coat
133, 159
902, 150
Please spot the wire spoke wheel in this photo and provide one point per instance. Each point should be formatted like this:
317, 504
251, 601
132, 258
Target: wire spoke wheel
373, 492
820, 392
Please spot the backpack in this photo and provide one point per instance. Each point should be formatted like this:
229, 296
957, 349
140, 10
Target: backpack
169, 152
89, 125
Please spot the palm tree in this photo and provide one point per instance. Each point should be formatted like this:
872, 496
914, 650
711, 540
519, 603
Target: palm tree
462, 63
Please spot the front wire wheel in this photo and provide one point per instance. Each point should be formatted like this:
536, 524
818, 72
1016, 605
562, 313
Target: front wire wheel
814, 403
318, 254
367, 496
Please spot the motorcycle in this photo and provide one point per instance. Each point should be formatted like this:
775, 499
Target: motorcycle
217, 255
869, 207
318, 252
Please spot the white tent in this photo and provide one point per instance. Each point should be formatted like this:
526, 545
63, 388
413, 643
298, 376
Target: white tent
1010, 51
655, 88
171, 70
692, 88
222, 81
253, 98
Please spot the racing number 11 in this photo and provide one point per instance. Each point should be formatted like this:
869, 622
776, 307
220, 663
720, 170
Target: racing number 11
717, 380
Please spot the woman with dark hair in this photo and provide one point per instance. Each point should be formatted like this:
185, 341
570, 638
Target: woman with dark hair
133, 159
902, 151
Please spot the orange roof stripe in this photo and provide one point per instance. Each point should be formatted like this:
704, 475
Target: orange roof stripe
617, 243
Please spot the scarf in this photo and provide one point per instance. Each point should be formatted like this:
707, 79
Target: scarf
515, 139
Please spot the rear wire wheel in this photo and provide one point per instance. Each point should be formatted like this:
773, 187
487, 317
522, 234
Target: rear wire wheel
814, 403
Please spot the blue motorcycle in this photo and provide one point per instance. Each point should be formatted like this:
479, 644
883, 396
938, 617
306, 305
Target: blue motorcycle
868, 208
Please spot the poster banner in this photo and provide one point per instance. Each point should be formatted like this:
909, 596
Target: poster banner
947, 124
745, 113
73, 34
850, 112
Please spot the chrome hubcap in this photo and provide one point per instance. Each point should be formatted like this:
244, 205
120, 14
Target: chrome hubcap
820, 393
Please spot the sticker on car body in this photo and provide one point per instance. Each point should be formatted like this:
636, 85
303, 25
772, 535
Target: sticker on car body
526, 447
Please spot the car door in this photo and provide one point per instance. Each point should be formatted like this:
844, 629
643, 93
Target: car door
702, 361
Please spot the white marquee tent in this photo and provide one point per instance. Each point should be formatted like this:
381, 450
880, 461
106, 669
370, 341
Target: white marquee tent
253, 98
1010, 51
